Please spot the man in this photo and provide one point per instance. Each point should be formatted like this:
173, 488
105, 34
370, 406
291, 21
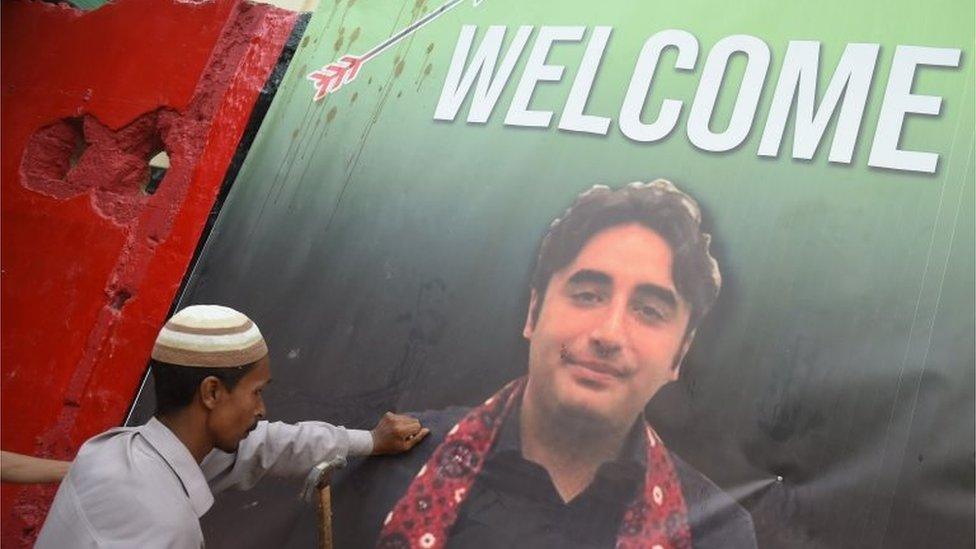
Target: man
564, 457
147, 486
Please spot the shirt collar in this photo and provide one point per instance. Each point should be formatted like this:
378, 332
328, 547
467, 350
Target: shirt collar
179, 459
508, 439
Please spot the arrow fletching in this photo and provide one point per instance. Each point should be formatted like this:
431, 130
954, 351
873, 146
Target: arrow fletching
333, 76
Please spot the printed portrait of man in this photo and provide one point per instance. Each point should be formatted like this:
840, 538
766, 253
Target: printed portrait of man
564, 457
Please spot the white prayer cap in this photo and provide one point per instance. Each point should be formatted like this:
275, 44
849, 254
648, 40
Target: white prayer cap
209, 336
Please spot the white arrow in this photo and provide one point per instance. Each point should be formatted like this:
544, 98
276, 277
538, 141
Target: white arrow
333, 76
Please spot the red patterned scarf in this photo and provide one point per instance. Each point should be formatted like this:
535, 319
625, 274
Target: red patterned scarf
655, 519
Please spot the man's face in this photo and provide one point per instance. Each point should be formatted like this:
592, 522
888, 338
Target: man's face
611, 329
237, 412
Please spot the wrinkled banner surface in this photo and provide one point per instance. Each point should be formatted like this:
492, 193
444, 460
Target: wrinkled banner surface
383, 237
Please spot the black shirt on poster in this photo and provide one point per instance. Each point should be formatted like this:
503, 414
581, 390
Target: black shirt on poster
513, 503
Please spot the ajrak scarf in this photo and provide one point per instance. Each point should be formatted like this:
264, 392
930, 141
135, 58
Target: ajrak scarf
655, 519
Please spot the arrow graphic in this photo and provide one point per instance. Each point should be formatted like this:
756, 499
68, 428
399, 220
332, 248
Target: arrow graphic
333, 76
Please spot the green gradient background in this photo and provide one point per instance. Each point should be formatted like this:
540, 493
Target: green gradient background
840, 355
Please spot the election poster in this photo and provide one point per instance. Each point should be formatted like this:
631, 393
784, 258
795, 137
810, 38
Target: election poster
690, 274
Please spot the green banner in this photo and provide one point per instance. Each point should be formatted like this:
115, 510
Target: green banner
384, 237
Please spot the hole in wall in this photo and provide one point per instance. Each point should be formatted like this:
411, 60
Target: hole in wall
77, 155
158, 166
119, 297
51, 153
77, 126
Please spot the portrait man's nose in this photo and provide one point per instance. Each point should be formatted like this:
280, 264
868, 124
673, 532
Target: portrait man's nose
607, 335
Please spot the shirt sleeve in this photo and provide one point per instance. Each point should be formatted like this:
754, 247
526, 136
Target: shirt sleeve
360, 442
282, 449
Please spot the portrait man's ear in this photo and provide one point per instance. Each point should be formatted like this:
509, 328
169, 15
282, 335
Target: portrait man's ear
529, 322
680, 357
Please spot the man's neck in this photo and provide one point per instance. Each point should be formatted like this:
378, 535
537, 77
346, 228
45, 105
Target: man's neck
570, 450
190, 431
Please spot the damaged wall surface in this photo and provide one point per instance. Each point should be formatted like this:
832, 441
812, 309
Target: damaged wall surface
95, 244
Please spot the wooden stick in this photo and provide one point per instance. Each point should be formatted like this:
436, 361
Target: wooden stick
325, 517
317, 487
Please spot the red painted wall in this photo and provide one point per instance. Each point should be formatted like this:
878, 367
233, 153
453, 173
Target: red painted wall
89, 262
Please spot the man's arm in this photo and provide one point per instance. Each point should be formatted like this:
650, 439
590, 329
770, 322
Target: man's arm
24, 469
282, 449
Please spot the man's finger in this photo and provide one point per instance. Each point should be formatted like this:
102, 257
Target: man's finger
407, 429
414, 440
413, 432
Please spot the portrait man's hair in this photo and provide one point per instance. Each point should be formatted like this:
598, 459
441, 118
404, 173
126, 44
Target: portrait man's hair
660, 207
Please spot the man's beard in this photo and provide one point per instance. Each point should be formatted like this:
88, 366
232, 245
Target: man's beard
577, 420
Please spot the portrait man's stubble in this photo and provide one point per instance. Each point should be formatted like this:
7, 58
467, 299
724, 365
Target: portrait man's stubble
563, 457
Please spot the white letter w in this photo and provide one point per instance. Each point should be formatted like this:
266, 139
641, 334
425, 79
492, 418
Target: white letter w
456, 86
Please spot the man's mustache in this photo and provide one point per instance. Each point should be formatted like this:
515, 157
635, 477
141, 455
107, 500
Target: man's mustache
597, 365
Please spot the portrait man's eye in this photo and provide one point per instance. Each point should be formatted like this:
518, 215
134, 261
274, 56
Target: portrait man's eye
649, 312
587, 297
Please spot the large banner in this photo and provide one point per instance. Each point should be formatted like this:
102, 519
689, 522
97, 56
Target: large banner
684, 274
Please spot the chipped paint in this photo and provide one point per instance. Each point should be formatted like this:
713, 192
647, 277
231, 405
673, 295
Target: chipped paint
80, 236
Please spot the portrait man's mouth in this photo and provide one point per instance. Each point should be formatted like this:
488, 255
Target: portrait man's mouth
593, 373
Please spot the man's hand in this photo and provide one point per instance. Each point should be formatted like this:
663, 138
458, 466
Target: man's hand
395, 434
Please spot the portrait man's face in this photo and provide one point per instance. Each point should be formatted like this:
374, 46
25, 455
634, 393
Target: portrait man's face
611, 328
